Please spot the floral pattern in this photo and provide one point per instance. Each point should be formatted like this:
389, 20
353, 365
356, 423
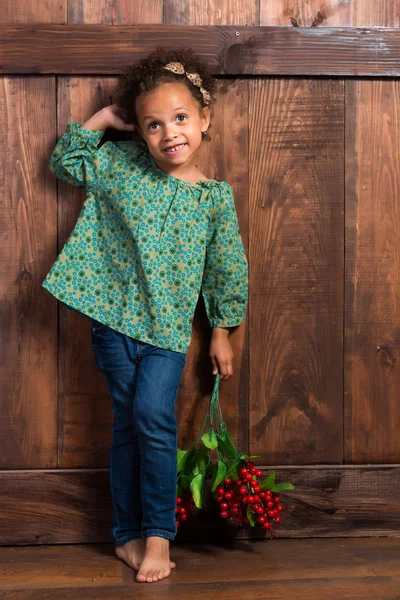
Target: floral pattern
146, 243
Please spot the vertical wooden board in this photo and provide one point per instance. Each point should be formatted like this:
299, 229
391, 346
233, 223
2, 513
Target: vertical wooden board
384, 13
224, 158
372, 325
32, 11
296, 227
330, 13
324, 13
85, 407
211, 12
117, 12
28, 349
372, 284
83, 399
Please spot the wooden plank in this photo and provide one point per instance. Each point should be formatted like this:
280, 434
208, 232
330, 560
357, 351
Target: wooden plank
123, 12
74, 506
372, 345
325, 13
221, 158
330, 569
84, 414
330, 13
32, 11
274, 50
28, 349
223, 12
296, 278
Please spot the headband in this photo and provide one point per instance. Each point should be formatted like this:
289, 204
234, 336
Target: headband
177, 67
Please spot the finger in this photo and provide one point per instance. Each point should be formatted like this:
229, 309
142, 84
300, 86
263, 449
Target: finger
227, 371
214, 366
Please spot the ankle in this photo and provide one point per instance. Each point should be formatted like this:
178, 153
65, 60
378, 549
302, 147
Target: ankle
156, 540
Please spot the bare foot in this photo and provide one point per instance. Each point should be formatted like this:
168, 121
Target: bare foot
156, 563
133, 553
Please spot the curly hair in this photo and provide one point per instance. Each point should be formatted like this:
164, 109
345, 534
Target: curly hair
148, 73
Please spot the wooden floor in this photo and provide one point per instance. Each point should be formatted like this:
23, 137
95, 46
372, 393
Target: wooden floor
311, 569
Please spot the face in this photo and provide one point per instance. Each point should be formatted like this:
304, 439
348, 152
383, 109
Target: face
171, 121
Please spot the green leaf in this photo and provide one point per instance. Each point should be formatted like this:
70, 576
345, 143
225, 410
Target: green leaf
219, 475
182, 456
226, 446
210, 439
250, 516
196, 487
199, 463
232, 470
282, 486
268, 483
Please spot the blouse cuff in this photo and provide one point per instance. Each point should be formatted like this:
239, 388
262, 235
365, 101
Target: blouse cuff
91, 136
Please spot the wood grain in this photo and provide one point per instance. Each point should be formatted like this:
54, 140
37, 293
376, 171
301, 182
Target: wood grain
74, 506
28, 348
330, 13
275, 50
306, 569
296, 278
372, 376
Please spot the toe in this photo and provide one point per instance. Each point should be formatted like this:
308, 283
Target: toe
173, 565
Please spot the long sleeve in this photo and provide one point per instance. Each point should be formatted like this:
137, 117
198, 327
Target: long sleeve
225, 276
73, 155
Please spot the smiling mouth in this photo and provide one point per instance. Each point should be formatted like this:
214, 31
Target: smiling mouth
174, 149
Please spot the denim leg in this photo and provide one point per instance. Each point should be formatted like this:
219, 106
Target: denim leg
117, 357
157, 387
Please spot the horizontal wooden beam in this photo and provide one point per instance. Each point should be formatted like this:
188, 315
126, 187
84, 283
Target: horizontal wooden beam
100, 49
74, 506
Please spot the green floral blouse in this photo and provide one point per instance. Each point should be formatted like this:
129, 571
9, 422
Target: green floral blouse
146, 243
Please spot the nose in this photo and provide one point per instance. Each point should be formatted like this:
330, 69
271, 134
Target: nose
170, 133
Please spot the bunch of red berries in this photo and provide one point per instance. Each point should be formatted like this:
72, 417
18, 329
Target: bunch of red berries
237, 505
184, 507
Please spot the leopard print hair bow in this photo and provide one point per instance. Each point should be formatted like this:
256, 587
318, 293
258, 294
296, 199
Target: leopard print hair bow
177, 67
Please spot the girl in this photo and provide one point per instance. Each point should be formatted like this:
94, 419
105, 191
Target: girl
153, 232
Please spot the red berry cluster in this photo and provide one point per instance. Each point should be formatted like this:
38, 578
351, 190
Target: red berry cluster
234, 503
184, 507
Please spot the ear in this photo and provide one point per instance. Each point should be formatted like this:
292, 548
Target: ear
205, 117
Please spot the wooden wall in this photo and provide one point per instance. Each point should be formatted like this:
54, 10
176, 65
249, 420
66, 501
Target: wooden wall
314, 166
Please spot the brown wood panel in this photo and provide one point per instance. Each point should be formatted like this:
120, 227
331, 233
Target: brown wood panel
221, 158
74, 506
321, 13
28, 348
83, 402
330, 569
330, 13
218, 12
372, 377
120, 12
296, 162
275, 50
32, 11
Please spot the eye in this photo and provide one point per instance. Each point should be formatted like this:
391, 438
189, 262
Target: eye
182, 116
153, 123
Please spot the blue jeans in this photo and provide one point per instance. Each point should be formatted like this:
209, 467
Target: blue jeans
143, 382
